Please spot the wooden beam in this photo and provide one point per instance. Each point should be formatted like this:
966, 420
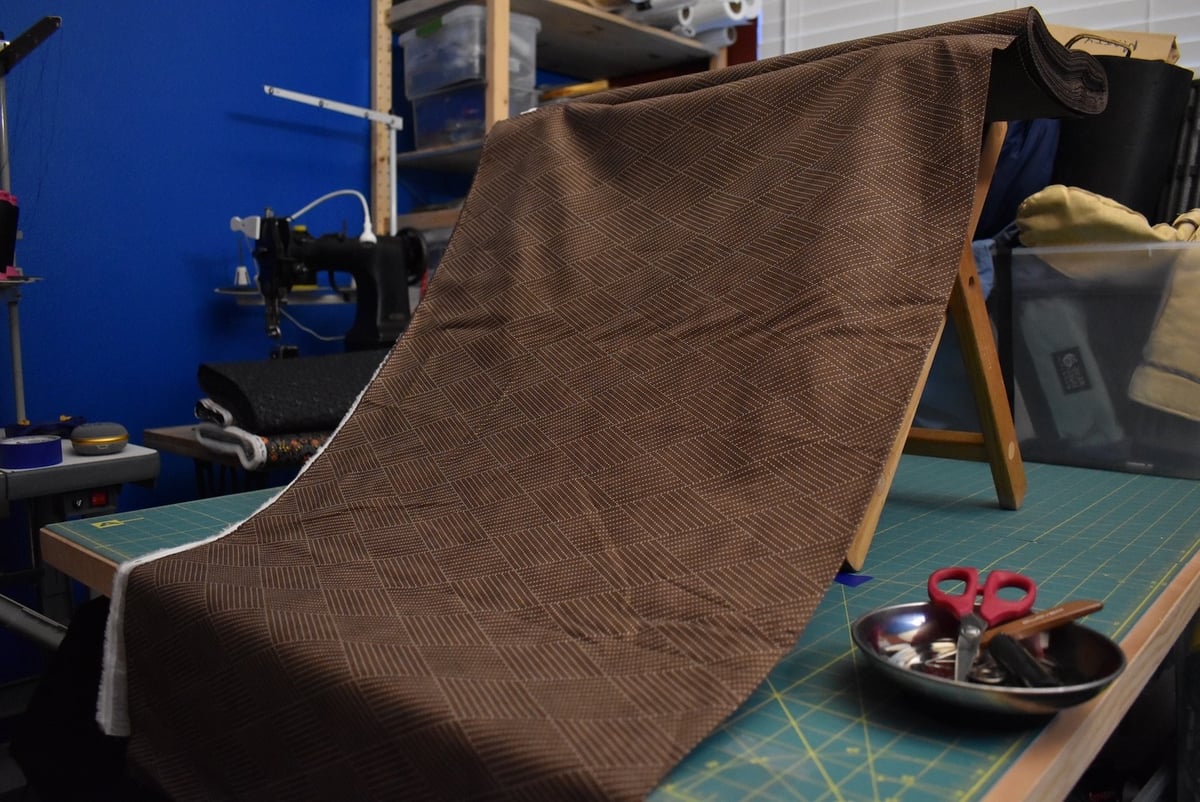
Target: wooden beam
381, 100
496, 68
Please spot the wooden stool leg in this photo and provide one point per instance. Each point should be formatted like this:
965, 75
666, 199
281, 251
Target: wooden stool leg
997, 442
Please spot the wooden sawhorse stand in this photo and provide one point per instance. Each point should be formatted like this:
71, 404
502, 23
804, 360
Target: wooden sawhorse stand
996, 444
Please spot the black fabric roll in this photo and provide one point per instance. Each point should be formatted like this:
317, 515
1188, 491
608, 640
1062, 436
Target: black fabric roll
303, 394
1127, 152
1184, 193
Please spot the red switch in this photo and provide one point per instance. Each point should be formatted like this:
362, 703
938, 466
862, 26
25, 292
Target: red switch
99, 498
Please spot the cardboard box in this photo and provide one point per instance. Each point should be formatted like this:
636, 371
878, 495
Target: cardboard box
1141, 44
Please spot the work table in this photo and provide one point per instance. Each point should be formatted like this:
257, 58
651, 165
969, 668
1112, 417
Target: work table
824, 724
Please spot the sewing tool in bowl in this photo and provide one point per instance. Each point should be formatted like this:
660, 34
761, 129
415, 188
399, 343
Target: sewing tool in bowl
915, 646
974, 621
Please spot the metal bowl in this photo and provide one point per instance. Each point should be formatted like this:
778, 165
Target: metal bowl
1088, 661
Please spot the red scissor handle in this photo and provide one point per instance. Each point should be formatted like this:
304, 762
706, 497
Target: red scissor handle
960, 604
994, 609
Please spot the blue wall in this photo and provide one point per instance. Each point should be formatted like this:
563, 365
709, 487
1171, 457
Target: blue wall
136, 132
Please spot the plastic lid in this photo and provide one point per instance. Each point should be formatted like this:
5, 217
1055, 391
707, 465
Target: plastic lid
465, 14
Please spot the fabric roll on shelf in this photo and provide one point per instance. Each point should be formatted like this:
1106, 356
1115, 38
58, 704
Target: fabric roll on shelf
718, 37
257, 452
656, 13
695, 18
709, 15
278, 413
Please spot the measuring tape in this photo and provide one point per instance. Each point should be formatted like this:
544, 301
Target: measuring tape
32, 451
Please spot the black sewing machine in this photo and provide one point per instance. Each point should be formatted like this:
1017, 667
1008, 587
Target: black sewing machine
383, 270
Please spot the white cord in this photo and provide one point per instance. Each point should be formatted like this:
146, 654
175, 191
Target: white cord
368, 235
310, 332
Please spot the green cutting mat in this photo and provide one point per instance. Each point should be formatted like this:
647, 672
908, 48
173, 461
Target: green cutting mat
127, 535
824, 726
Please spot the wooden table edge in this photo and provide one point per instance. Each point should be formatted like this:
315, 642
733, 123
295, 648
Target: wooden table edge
1050, 766
78, 562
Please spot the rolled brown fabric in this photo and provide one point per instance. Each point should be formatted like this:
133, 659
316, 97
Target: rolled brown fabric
599, 486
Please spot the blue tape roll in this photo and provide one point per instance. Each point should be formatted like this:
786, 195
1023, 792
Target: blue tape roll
33, 451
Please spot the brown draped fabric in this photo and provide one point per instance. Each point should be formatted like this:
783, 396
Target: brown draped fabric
598, 488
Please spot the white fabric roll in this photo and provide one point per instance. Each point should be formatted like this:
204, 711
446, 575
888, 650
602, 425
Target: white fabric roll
682, 30
660, 13
717, 38
708, 15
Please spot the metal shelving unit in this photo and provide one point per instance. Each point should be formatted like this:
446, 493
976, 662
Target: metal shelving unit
575, 40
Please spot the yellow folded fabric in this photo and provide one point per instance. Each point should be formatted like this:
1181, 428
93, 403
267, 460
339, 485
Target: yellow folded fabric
1169, 377
1064, 216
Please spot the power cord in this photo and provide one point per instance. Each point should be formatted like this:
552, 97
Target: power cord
310, 332
368, 234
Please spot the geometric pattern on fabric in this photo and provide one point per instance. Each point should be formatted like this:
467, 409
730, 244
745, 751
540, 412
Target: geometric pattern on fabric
600, 485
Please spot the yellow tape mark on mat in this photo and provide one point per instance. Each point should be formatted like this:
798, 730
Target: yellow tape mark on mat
115, 522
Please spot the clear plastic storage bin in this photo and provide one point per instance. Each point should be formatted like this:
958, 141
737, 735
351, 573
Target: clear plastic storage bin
451, 50
456, 115
1103, 339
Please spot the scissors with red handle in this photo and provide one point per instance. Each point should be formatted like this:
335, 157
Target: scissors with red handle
993, 610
